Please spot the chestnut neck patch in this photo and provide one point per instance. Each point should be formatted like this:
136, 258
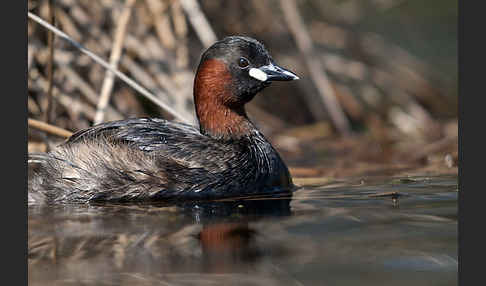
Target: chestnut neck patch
219, 112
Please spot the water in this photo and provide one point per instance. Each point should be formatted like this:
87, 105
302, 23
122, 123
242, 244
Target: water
381, 231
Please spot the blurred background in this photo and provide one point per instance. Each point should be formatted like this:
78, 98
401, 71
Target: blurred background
377, 95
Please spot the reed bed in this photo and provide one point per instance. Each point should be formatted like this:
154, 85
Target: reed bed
113, 59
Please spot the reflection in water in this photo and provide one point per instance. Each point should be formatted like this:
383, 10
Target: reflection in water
88, 242
350, 233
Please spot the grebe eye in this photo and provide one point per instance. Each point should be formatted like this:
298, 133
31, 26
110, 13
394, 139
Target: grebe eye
243, 63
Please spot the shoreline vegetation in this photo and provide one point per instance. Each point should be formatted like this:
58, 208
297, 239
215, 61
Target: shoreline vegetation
364, 105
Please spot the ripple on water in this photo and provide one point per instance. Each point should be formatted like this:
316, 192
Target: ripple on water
381, 231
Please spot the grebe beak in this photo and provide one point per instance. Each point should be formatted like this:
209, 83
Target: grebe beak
272, 72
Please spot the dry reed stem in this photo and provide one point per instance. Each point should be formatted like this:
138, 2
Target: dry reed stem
432, 148
139, 74
77, 81
49, 115
32, 106
199, 22
318, 76
30, 56
68, 25
115, 55
48, 128
161, 22
180, 25
68, 102
103, 63
352, 106
161, 79
180, 28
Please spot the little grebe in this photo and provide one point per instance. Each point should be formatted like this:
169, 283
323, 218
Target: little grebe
147, 159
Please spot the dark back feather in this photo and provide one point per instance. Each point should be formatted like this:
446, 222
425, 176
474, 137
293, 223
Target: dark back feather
153, 159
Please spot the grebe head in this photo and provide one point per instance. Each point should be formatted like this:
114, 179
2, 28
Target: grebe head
231, 72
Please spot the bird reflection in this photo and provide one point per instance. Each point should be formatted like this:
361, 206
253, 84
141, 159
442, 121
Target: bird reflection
203, 237
227, 238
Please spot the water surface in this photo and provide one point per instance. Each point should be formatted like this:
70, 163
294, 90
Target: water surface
374, 231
